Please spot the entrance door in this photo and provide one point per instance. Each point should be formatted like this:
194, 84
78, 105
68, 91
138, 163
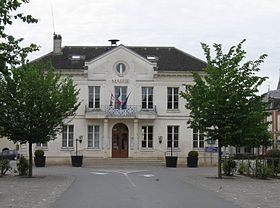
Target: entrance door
120, 141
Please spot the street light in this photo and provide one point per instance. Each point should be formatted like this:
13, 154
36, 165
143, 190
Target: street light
80, 139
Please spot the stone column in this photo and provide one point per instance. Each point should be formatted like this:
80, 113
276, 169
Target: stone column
135, 135
106, 142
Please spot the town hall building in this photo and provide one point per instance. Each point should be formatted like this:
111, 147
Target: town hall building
130, 102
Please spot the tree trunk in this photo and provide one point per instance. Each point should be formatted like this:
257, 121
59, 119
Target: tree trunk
219, 159
30, 160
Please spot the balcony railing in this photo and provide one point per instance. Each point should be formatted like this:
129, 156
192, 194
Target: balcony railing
128, 111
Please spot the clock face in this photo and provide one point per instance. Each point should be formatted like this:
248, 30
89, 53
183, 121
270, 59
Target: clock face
121, 68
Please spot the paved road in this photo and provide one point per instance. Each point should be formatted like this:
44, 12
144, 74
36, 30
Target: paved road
134, 188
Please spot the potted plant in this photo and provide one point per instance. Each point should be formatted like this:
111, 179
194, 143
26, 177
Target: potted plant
192, 159
40, 159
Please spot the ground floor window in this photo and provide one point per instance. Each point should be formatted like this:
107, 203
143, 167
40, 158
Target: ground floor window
147, 132
93, 136
173, 136
68, 136
42, 145
198, 139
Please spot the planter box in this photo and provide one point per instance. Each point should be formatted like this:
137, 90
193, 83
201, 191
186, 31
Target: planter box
77, 161
171, 161
40, 161
192, 162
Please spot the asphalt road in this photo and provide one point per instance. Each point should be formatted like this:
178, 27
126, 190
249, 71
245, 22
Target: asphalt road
135, 188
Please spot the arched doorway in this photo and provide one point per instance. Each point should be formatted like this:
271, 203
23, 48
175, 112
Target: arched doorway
120, 141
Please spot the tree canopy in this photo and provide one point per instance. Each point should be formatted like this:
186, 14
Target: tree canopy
33, 104
11, 53
224, 102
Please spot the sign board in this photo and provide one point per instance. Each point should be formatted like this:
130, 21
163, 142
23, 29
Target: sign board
211, 149
277, 141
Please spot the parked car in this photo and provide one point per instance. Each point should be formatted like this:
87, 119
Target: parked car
9, 154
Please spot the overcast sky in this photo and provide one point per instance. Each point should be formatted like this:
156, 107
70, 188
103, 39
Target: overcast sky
183, 24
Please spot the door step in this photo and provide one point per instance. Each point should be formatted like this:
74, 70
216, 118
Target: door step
122, 162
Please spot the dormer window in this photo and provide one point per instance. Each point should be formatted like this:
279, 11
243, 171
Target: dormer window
152, 58
76, 57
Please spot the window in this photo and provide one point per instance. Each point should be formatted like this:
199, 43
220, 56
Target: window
172, 97
147, 98
93, 137
248, 150
121, 69
173, 136
120, 97
238, 150
68, 136
198, 139
93, 97
42, 145
147, 132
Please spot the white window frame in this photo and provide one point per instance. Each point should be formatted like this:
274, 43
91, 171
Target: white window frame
173, 136
173, 95
200, 141
94, 97
42, 145
69, 140
94, 137
146, 135
145, 98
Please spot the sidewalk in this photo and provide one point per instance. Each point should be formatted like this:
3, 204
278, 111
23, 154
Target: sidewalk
244, 191
40, 191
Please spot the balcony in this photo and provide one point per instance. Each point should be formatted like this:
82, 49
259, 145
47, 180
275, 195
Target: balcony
131, 111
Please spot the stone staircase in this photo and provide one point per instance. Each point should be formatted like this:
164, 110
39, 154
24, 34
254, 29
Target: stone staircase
122, 162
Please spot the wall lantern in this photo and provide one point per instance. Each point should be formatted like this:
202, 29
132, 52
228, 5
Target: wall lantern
160, 139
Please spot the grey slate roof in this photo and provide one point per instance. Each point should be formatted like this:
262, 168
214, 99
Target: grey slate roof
170, 58
274, 97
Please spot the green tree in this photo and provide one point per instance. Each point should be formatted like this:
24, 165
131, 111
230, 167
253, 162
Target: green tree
224, 102
33, 104
11, 53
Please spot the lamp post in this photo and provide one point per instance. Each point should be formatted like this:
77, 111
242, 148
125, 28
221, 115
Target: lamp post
80, 139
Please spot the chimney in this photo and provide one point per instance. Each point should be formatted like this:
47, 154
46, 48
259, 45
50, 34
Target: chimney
57, 40
114, 42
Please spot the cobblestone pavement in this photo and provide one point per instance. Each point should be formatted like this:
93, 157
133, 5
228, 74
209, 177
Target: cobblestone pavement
244, 191
40, 191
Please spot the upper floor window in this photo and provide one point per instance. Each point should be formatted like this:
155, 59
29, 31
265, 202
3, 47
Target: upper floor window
94, 97
198, 139
172, 97
147, 132
173, 136
120, 97
147, 98
93, 137
68, 136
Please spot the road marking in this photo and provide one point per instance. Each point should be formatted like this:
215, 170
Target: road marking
148, 175
123, 172
98, 173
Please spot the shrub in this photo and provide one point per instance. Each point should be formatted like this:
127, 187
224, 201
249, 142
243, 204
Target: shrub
4, 166
229, 167
193, 153
274, 164
275, 153
39, 153
263, 171
242, 168
22, 166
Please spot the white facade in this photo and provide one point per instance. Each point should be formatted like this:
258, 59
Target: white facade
150, 123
